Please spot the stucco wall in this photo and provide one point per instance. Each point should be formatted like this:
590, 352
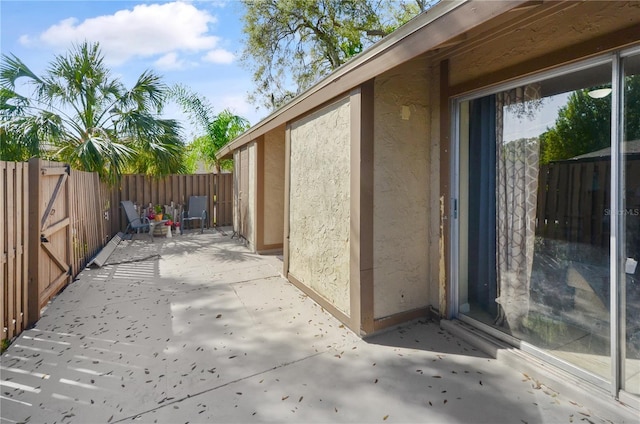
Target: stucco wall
319, 203
274, 186
401, 189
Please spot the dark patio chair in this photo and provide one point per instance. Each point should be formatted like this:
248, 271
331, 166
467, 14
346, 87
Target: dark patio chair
197, 210
135, 221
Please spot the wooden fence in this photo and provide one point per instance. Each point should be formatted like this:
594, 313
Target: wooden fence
143, 190
53, 220
37, 222
14, 230
574, 199
88, 230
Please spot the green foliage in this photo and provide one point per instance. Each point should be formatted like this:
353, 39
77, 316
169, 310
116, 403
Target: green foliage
290, 44
4, 345
78, 113
584, 124
219, 129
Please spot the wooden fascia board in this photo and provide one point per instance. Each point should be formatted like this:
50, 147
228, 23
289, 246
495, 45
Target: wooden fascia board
405, 45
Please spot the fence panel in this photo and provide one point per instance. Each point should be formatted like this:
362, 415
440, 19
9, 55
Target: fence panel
572, 201
224, 200
53, 220
88, 232
143, 190
14, 236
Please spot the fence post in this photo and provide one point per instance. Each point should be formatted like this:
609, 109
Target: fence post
35, 204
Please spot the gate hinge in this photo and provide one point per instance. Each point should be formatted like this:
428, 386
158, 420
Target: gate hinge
43, 239
67, 168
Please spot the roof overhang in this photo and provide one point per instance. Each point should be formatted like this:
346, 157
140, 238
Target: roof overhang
438, 27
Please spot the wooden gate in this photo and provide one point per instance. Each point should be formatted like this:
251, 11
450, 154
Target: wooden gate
49, 219
224, 200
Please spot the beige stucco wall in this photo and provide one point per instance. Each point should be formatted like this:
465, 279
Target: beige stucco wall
274, 150
401, 189
319, 203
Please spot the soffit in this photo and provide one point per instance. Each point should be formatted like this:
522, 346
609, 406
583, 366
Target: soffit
551, 27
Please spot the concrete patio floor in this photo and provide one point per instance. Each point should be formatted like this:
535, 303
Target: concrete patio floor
197, 329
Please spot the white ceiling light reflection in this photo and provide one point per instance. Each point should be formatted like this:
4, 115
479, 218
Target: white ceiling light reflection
599, 93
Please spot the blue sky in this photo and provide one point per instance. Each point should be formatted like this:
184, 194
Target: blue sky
196, 43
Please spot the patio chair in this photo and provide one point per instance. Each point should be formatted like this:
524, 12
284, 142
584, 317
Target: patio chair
197, 210
135, 222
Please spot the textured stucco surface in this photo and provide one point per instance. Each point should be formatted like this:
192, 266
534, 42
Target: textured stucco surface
401, 189
319, 203
274, 186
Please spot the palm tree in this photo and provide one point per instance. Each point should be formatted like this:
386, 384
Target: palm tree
225, 127
220, 129
78, 113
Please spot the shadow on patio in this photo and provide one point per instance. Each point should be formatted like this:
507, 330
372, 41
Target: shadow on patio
197, 329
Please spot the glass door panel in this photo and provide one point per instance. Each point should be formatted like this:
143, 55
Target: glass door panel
630, 286
534, 220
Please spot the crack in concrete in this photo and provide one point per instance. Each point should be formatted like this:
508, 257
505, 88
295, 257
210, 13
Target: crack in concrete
133, 260
237, 380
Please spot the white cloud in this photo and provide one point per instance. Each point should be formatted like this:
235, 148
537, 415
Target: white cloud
170, 61
220, 56
146, 30
25, 40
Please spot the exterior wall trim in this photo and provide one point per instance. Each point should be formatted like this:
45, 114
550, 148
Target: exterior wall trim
361, 208
436, 27
400, 318
324, 303
270, 248
287, 195
445, 193
259, 199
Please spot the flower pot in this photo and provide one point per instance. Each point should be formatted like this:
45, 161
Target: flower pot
158, 217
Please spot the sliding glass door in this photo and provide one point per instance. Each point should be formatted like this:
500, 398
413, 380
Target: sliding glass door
630, 283
535, 216
548, 217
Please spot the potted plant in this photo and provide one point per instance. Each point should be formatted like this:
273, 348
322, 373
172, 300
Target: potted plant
158, 212
170, 222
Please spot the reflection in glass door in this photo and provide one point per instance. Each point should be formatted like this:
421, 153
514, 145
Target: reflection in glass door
534, 190
630, 286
